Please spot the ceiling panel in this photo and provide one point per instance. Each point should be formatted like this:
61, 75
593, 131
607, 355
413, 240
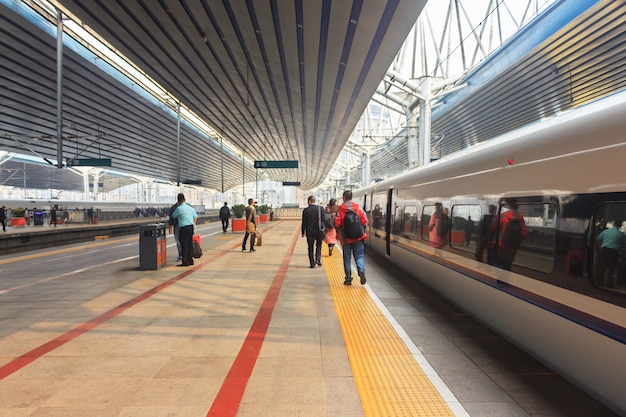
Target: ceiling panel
281, 80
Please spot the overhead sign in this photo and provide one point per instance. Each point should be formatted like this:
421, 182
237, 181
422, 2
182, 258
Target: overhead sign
90, 162
293, 183
275, 164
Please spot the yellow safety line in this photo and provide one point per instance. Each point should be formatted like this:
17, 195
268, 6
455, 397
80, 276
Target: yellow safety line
388, 379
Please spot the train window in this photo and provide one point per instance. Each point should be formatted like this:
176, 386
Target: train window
427, 213
536, 248
465, 222
379, 211
604, 218
409, 220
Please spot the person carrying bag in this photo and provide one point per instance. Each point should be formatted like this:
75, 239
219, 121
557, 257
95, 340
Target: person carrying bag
250, 226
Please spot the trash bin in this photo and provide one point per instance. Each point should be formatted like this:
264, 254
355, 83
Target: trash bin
152, 246
38, 218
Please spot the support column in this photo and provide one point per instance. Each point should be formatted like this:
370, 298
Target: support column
96, 179
367, 169
85, 173
412, 139
425, 119
178, 144
60, 90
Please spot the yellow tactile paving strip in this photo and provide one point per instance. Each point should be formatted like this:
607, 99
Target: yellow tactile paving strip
388, 379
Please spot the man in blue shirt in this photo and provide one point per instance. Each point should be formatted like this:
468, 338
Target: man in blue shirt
611, 241
186, 217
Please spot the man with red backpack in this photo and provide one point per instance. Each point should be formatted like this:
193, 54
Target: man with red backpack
350, 223
512, 231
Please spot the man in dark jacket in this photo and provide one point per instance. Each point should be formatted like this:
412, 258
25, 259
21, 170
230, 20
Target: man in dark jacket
224, 216
312, 223
3, 218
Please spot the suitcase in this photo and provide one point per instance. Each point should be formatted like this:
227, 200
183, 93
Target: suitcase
258, 239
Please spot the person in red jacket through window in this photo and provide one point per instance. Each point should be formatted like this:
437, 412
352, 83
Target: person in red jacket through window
352, 234
512, 231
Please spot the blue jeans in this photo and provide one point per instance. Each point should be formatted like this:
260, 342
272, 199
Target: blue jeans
358, 250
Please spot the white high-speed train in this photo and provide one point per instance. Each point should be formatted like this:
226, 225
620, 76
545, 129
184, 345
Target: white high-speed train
566, 175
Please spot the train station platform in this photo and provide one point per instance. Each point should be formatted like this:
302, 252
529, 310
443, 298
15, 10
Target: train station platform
250, 334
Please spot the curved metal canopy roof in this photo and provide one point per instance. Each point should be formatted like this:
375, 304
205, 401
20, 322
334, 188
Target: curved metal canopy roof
280, 80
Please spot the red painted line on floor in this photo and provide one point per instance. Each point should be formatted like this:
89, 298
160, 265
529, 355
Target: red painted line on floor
29, 357
229, 397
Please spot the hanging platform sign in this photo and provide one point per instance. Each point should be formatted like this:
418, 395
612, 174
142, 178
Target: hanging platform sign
275, 164
89, 162
291, 183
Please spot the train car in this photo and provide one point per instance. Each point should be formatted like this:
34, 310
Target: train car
44, 204
566, 178
104, 210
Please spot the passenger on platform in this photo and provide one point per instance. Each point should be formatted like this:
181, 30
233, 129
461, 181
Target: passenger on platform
53, 217
250, 228
312, 224
27, 216
225, 216
512, 231
484, 235
377, 217
66, 216
90, 215
175, 229
330, 216
3, 218
434, 227
350, 223
186, 217
611, 241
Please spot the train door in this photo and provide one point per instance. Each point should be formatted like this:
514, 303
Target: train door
388, 224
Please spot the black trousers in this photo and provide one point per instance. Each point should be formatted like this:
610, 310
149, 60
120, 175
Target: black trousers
313, 239
224, 224
245, 240
186, 236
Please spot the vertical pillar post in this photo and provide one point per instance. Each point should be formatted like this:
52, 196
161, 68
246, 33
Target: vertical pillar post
222, 160
425, 119
367, 169
412, 144
178, 144
85, 173
96, 179
60, 89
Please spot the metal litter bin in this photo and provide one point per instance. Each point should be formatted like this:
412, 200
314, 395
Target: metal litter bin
38, 218
152, 246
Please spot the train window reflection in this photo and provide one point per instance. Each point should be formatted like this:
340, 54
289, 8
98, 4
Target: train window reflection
379, 211
427, 212
608, 271
465, 226
536, 250
410, 220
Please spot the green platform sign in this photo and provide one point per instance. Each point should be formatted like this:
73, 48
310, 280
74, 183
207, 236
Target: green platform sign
90, 162
275, 164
